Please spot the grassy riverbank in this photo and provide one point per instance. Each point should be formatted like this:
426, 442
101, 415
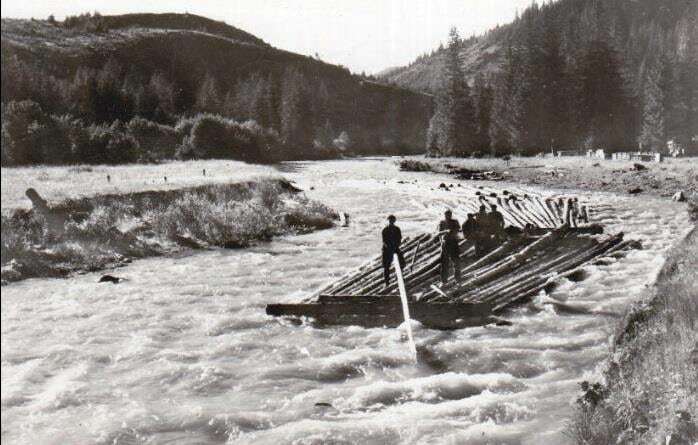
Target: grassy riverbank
58, 183
651, 380
89, 234
658, 179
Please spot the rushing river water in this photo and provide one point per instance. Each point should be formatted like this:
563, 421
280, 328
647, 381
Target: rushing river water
182, 352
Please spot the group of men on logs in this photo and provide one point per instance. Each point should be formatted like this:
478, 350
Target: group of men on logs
485, 230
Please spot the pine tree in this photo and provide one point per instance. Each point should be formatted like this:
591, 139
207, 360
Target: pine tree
682, 114
452, 128
557, 98
653, 131
208, 96
603, 101
483, 98
164, 91
505, 122
297, 125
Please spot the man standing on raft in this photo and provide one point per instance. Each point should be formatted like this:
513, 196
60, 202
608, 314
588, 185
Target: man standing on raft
392, 237
450, 251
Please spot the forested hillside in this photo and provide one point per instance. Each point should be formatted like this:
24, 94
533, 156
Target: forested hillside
140, 87
572, 74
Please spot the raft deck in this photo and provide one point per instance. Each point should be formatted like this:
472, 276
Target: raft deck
558, 242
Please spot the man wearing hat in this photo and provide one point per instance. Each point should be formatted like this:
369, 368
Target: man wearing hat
392, 237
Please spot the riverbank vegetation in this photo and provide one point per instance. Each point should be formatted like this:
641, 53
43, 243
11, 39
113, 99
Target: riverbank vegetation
94, 233
650, 392
146, 87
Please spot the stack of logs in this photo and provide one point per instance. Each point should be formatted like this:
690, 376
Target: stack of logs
519, 268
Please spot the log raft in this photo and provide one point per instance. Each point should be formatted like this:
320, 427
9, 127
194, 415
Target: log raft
549, 240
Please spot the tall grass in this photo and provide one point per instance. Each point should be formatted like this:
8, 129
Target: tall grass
651, 388
94, 233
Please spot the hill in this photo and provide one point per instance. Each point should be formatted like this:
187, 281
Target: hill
571, 74
167, 67
635, 28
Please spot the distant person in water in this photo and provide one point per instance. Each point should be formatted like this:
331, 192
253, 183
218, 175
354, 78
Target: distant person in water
450, 251
392, 238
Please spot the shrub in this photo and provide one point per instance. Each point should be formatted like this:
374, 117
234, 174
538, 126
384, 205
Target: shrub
99, 144
31, 136
215, 137
23, 127
411, 165
86, 234
156, 141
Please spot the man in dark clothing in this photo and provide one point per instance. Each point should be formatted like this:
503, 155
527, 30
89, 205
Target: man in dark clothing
472, 232
483, 230
482, 217
392, 237
450, 252
489, 226
497, 221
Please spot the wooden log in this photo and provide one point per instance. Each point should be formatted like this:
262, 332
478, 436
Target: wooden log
487, 271
367, 286
529, 216
425, 274
558, 206
377, 284
545, 215
543, 205
369, 274
510, 262
607, 247
414, 256
477, 267
554, 268
329, 299
388, 313
550, 204
543, 265
510, 216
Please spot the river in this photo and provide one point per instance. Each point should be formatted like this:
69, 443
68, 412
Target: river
182, 351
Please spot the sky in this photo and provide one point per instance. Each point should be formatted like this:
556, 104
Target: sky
363, 35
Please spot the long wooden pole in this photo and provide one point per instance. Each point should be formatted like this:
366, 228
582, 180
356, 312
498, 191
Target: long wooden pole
405, 306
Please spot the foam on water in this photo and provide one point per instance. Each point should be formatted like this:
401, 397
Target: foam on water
182, 351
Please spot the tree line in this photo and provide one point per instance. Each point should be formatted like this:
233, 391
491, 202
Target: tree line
146, 107
551, 95
109, 116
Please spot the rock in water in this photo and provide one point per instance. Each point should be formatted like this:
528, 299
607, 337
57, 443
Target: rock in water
635, 191
109, 279
639, 167
679, 196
